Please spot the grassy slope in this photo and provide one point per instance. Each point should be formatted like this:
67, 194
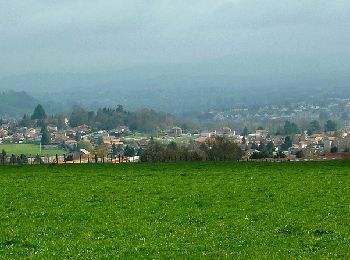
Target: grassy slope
27, 149
209, 210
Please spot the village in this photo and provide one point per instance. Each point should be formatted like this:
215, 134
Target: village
81, 143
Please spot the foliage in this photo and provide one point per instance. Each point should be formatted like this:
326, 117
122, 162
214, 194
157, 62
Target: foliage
289, 128
280, 154
78, 116
25, 121
77, 137
300, 154
334, 149
254, 146
38, 159
265, 151
157, 152
314, 127
221, 149
288, 142
85, 145
245, 131
101, 151
261, 155
129, 151
45, 136
58, 120
143, 120
117, 149
22, 159
330, 126
39, 113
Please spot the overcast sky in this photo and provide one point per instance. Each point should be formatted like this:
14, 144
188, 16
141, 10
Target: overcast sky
90, 35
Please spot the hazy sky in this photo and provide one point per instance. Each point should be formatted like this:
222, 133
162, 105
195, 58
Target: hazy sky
90, 35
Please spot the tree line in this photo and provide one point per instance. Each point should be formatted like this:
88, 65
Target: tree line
143, 120
217, 149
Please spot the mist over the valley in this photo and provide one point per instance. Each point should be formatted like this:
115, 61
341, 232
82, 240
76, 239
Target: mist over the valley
178, 57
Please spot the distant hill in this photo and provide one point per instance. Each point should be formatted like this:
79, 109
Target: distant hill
180, 88
15, 104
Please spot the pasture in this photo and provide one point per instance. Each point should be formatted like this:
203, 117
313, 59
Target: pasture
28, 149
173, 211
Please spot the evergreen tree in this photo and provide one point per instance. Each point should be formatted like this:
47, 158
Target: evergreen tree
117, 149
270, 147
129, 151
245, 131
39, 113
314, 127
334, 149
290, 128
26, 121
114, 149
300, 154
45, 136
330, 126
78, 137
287, 143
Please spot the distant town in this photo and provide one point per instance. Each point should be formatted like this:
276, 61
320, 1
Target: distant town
81, 136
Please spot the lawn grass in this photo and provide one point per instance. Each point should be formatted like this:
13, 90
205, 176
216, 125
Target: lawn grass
27, 149
175, 211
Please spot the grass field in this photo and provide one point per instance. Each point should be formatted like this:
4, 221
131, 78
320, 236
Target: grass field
27, 149
163, 211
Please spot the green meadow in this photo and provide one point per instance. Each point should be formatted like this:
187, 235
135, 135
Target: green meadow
27, 149
176, 211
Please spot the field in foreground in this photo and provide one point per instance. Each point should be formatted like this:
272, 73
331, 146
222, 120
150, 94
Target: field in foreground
189, 210
27, 149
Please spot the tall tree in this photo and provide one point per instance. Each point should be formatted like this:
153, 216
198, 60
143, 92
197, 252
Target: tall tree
85, 145
245, 131
330, 126
288, 142
223, 149
290, 128
314, 127
129, 151
79, 116
26, 121
39, 113
45, 136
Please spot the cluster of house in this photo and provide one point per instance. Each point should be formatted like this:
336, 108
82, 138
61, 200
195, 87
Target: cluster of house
335, 107
10, 133
311, 145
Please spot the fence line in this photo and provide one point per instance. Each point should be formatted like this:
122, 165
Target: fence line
92, 159
63, 159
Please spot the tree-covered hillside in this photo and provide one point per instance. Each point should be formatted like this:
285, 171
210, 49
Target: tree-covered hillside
14, 104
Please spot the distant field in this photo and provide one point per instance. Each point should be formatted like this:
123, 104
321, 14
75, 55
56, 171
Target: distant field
27, 149
176, 211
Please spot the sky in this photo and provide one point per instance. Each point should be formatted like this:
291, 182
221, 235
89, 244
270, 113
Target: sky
88, 35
